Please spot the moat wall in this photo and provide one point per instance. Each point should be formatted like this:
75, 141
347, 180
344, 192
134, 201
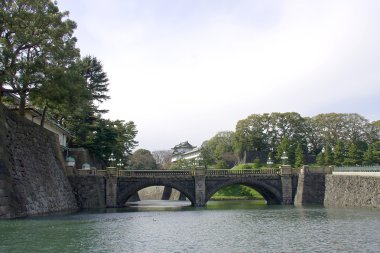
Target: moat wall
310, 187
90, 192
32, 178
352, 191
319, 186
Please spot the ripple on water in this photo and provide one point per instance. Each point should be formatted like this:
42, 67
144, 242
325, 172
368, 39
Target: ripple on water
256, 229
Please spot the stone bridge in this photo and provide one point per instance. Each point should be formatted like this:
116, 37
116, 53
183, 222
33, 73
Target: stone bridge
277, 186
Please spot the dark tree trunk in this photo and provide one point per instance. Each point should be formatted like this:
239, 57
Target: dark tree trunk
22, 104
44, 115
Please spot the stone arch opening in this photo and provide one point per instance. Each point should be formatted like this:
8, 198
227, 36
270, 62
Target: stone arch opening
125, 193
241, 192
268, 192
157, 192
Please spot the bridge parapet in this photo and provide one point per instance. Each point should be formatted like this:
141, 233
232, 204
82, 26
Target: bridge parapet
213, 173
154, 173
375, 168
92, 172
176, 173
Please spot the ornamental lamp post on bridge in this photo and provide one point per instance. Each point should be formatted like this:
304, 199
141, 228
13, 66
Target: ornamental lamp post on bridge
112, 160
112, 171
120, 164
270, 162
70, 165
70, 161
284, 158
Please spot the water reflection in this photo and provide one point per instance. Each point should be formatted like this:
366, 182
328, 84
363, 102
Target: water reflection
158, 205
177, 205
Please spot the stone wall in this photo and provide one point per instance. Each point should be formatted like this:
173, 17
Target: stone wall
310, 188
32, 178
352, 191
90, 191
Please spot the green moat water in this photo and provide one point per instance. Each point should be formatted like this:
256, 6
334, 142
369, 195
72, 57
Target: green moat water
224, 226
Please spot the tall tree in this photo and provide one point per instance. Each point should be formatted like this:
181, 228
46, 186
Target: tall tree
284, 146
142, 159
207, 157
339, 153
329, 158
64, 93
353, 155
331, 127
111, 137
321, 159
163, 158
313, 136
299, 156
376, 152
220, 147
96, 80
35, 38
369, 156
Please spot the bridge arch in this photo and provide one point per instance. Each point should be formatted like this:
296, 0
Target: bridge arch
270, 193
125, 191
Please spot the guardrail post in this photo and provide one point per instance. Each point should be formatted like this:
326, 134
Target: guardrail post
200, 186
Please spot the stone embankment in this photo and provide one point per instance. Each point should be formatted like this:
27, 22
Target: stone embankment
32, 178
352, 191
311, 186
89, 191
319, 186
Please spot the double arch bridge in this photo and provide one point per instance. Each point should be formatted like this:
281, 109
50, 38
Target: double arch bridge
277, 186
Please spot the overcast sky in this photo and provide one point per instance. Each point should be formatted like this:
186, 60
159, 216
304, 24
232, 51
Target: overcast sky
187, 69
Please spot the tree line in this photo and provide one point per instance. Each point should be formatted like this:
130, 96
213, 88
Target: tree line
42, 67
326, 139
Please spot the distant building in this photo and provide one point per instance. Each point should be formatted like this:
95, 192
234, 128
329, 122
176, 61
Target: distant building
186, 151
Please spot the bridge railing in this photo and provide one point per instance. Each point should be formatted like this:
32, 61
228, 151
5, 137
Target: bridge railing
358, 169
153, 173
175, 173
91, 172
243, 172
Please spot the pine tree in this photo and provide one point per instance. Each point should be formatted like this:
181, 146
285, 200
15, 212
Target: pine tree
321, 159
282, 147
329, 159
256, 163
353, 155
369, 156
96, 80
376, 151
339, 154
35, 39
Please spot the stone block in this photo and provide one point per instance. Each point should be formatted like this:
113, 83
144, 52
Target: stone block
4, 201
3, 193
4, 211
